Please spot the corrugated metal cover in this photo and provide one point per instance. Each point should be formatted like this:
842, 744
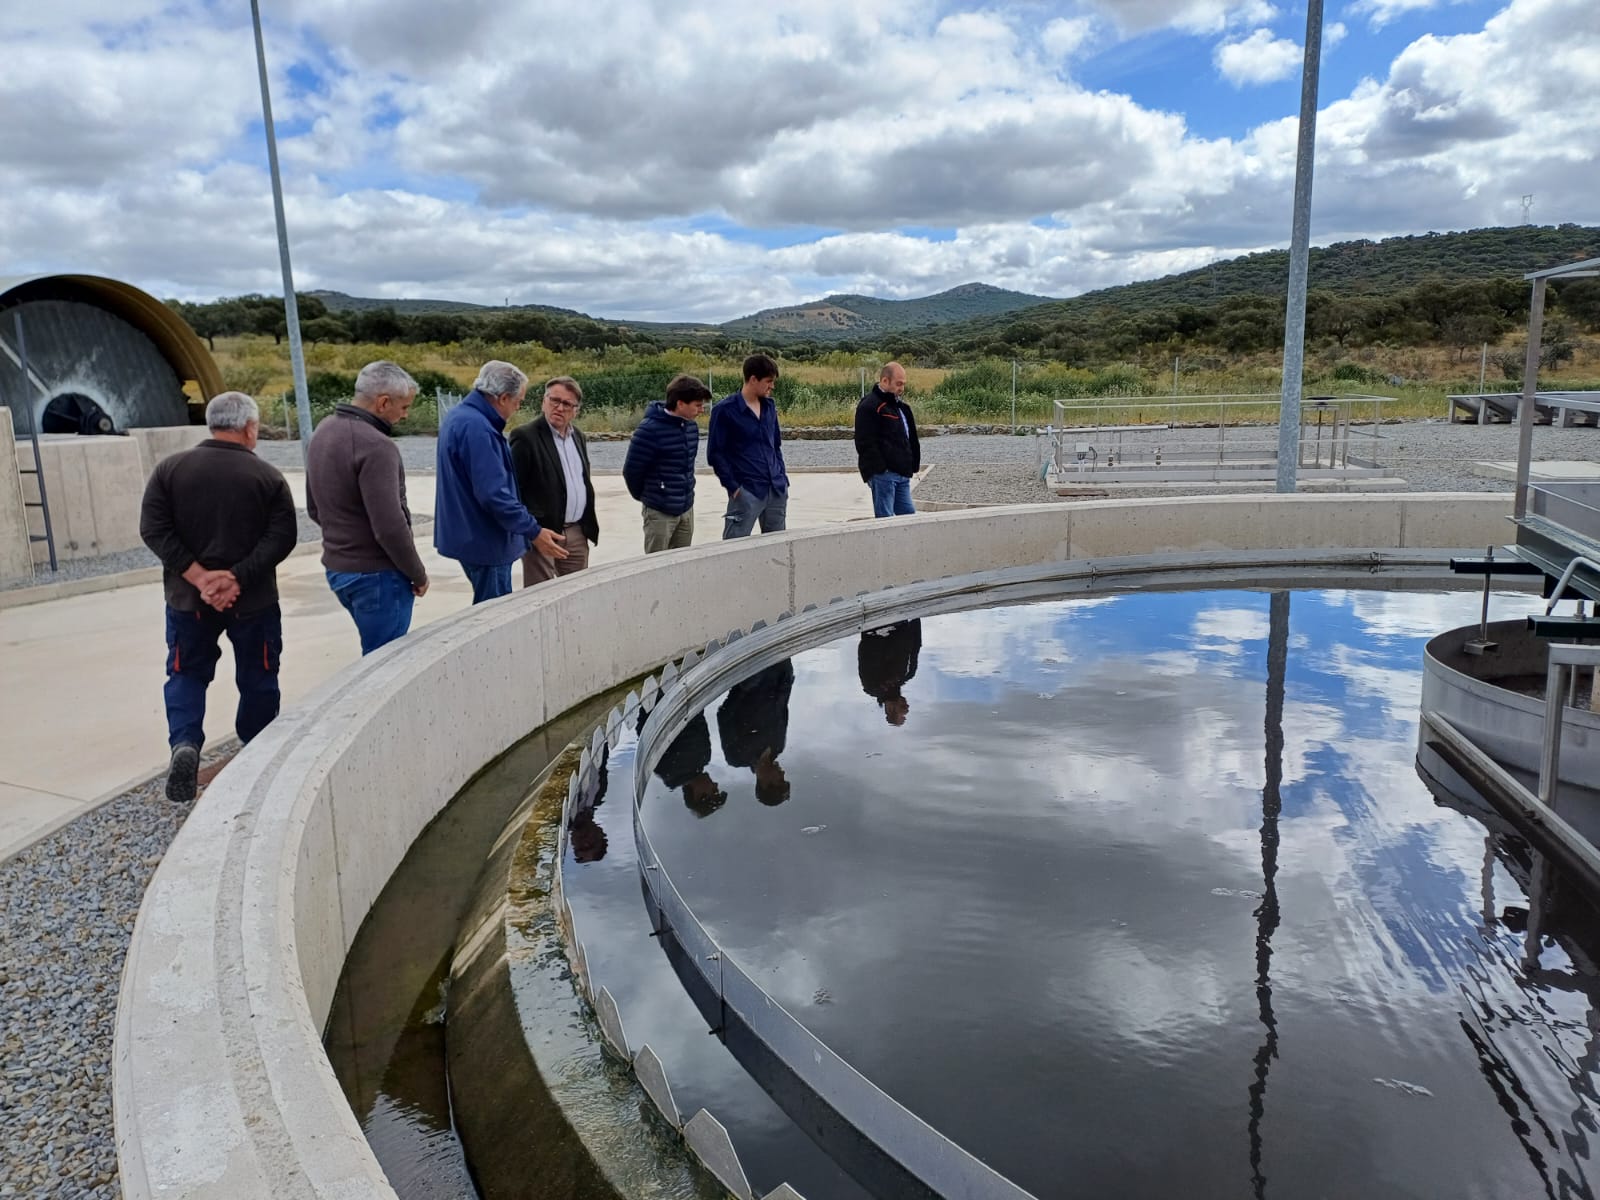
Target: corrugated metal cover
106, 340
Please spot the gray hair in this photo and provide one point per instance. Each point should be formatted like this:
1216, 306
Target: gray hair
231, 412
568, 382
384, 378
498, 378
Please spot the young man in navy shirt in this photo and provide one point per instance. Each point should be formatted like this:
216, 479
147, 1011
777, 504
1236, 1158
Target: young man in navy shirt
745, 448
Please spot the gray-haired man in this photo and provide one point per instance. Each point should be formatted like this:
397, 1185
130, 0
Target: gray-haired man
220, 520
356, 490
478, 517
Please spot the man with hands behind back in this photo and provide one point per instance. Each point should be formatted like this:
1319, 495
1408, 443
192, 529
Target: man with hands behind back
220, 520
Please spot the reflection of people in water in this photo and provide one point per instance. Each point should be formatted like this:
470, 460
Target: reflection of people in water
683, 765
753, 724
886, 660
584, 833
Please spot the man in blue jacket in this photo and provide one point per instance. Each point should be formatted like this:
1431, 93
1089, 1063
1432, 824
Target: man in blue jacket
478, 517
745, 448
659, 468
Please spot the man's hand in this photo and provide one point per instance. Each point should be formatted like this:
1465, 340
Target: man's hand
550, 544
733, 493
419, 589
219, 589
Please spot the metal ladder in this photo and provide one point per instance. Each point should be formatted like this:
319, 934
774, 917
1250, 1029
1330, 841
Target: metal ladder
19, 356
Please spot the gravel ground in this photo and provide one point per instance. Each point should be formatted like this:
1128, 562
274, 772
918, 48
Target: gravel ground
67, 905
123, 560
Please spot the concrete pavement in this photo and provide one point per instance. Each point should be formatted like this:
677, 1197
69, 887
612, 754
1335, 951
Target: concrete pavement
81, 715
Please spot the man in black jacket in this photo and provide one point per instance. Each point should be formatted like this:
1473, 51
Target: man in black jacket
886, 659
887, 450
551, 461
220, 520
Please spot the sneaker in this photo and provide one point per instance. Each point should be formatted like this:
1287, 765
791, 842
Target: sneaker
183, 774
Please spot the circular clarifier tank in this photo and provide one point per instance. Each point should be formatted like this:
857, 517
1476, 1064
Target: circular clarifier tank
1138, 896
1134, 894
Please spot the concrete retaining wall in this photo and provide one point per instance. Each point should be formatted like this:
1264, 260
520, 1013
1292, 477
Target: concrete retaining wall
157, 443
221, 1086
95, 485
16, 556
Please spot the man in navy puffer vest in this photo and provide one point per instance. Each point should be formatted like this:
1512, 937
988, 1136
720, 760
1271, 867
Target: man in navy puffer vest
659, 469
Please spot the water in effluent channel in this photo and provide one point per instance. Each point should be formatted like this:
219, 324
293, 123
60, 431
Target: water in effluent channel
1136, 895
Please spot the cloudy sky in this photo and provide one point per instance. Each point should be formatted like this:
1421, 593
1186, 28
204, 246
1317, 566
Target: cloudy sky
663, 159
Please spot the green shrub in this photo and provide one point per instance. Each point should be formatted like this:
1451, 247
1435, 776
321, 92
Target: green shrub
1349, 372
250, 378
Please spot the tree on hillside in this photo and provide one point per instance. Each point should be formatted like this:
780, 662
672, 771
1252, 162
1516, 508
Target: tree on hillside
440, 328
379, 325
1579, 299
325, 329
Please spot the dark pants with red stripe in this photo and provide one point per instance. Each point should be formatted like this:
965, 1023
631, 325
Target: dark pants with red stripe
193, 648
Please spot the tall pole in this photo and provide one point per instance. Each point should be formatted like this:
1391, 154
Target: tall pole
291, 309
1530, 388
1294, 324
1013, 395
1268, 915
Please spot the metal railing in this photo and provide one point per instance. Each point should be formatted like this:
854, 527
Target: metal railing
1092, 438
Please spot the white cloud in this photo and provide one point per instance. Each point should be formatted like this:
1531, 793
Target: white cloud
1193, 16
1259, 58
651, 176
1333, 34
1382, 12
1064, 37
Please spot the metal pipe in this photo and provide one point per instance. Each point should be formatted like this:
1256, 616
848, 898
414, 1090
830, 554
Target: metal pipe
291, 308
1294, 334
1530, 388
1578, 560
1555, 703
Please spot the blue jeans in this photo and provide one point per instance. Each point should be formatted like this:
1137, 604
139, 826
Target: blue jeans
488, 582
379, 602
193, 650
891, 495
744, 510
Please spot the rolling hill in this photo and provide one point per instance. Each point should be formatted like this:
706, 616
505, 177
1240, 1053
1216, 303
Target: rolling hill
865, 316
1344, 268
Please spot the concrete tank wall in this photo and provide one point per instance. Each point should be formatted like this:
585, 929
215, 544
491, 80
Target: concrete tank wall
221, 1088
95, 486
16, 556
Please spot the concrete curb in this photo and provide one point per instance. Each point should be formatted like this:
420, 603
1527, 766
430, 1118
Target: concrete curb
36, 836
221, 1085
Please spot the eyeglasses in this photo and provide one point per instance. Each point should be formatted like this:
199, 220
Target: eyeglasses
558, 402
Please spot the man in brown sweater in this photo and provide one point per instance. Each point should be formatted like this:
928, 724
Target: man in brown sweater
220, 520
356, 490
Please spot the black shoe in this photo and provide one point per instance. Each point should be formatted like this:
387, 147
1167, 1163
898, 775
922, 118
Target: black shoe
183, 774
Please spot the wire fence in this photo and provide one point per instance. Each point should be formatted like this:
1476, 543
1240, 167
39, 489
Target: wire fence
992, 392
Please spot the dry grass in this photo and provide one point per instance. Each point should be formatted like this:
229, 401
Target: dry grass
260, 367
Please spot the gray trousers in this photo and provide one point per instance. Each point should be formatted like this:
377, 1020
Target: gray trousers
662, 532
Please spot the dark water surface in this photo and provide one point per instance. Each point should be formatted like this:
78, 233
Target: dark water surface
1121, 902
